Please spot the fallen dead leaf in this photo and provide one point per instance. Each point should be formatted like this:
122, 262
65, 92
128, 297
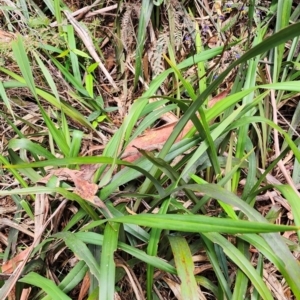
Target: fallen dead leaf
86, 172
154, 139
9, 266
62, 174
6, 37
21, 227
85, 189
25, 294
84, 287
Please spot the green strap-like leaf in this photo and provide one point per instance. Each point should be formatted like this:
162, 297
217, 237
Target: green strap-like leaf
185, 267
46, 285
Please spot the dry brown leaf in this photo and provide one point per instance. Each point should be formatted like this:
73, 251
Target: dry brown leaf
219, 97
213, 42
62, 174
151, 140
25, 294
41, 210
176, 289
131, 212
174, 286
6, 37
274, 284
9, 266
154, 139
85, 189
84, 287
131, 277
218, 7
87, 171
21, 227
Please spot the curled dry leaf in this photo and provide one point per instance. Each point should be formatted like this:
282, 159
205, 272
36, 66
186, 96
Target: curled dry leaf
62, 174
85, 189
86, 172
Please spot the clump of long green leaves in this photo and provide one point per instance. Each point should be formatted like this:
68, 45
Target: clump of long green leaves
173, 235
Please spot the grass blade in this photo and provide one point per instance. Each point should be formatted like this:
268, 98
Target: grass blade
185, 268
46, 285
197, 223
23, 63
107, 265
81, 251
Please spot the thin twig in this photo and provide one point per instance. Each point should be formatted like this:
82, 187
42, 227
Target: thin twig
101, 11
87, 13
